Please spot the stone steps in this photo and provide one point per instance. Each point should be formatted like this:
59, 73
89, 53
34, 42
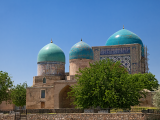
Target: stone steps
23, 117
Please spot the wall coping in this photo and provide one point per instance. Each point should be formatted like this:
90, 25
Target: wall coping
88, 113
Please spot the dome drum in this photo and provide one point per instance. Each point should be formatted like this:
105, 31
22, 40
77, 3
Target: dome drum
50, 68
75, 64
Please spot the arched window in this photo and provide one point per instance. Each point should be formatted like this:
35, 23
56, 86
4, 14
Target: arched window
44, 80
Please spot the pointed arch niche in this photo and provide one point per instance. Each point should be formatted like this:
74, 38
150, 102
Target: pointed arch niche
64, 101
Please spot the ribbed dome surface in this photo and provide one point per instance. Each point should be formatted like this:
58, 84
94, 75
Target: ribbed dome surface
51, 52
81, 50
124, 37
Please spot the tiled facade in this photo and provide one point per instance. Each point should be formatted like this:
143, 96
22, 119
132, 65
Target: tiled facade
129, 55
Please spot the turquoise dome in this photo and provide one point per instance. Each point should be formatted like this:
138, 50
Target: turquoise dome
124, 37
81, 50
51, 52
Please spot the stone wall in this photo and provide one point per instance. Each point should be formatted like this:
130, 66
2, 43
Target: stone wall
84, 116
150, 116
7, 117
93, 116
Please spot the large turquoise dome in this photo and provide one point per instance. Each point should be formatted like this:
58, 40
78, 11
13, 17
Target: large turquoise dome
124, 37
52, 53
81, 50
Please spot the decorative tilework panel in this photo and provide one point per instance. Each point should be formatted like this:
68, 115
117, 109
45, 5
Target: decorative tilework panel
112, 51
96, 54
125, 60
134, 66
134, 55
50, 68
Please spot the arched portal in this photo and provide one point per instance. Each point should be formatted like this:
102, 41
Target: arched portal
64, 101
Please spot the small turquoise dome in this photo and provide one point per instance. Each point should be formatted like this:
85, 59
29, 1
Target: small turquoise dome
51, 52
124, 37
81, 50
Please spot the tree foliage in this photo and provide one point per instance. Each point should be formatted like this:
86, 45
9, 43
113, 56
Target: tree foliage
5, 85
18, 94
107, 84
148, 79
156, 98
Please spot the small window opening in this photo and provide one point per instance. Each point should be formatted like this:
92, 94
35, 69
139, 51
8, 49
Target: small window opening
42, 93
44, 80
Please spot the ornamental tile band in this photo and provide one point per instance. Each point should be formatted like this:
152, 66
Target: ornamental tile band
113, 51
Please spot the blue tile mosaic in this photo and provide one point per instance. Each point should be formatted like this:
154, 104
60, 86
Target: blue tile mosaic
113, 51
51, 52
81, 50
123, 37
125, 60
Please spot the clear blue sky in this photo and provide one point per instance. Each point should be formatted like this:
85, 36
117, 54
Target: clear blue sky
28, 25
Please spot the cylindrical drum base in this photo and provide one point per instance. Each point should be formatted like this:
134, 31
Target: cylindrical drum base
75, 64
50, 68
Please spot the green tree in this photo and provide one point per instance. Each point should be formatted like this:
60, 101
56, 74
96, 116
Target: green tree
5, 85
149, 80
18, 94
156, 98
107, 84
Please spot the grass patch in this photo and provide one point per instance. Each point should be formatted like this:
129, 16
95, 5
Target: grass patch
134, 109
145, 108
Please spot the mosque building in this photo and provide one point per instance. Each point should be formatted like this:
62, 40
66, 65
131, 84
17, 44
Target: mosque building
51, 85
